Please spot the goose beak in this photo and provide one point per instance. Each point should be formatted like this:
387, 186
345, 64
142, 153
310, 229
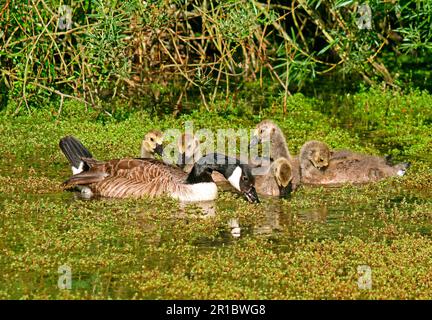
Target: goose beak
251, 195
159, 149
322, 169
254, 141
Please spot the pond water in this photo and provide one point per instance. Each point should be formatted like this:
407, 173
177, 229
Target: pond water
327, 213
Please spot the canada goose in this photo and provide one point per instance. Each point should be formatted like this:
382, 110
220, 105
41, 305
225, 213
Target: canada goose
320, 166
151, 144
277, 181
129, 177
274, 180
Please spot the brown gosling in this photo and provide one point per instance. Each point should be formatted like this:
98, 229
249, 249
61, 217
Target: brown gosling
152, 144
320, 166
277, 181
268, 131
189, 151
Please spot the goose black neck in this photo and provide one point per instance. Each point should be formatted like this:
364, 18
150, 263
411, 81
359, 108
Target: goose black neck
203, 168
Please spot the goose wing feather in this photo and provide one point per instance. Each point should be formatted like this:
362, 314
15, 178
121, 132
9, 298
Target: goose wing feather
129, 177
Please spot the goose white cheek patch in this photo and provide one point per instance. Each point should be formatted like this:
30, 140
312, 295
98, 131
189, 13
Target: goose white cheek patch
234, 179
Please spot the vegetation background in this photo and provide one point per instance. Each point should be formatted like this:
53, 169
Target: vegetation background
169, 55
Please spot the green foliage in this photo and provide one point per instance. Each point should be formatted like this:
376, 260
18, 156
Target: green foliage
162, 54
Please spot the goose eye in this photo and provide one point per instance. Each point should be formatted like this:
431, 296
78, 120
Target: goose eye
244, 178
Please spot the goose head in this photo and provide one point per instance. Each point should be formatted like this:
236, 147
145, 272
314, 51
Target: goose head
264, 132
317, 153
282, 172
188, 150
151, 144
238, 174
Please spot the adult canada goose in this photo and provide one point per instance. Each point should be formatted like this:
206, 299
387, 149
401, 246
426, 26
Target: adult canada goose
268, 132
277, 181
129, 177
151, 144
320, 166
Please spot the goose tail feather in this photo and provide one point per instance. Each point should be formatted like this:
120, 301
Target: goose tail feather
74, 151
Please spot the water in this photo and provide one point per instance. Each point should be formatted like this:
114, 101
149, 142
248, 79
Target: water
276, 219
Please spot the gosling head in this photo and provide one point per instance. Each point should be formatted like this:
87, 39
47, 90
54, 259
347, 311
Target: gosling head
317, 153
264, 132
152, 144
282, 173
188, 147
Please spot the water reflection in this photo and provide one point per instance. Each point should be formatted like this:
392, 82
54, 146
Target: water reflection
272, 211
274, 217
206, 209
234, 225
318, 214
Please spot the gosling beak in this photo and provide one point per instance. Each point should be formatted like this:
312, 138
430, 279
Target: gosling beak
183, 160
254, 141
251, 195
159, 149
285, 192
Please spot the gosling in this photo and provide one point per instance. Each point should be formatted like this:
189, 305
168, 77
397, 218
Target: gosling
268, 132
318, 165
152, 144
277, 181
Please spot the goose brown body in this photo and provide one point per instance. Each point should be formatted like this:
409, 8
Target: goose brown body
132, 178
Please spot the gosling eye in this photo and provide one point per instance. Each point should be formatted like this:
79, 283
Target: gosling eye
151, 139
